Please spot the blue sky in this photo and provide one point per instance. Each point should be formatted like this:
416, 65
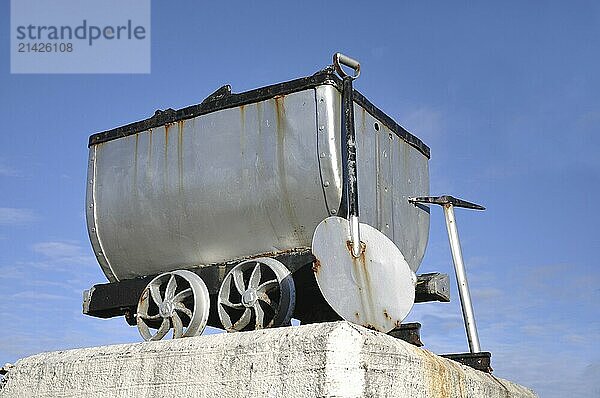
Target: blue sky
507, 95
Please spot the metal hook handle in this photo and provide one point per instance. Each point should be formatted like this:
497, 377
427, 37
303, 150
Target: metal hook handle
340, 59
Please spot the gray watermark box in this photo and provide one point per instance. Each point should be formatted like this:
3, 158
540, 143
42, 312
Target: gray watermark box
80, 36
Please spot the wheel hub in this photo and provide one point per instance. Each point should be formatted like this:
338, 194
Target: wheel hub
166, 309
249, 297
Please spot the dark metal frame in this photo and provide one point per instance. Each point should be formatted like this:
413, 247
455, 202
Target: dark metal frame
476, 360
108, 300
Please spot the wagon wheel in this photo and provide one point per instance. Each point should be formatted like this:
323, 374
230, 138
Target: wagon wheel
177, 300
256, 294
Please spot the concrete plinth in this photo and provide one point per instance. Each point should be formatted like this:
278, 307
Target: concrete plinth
322, 360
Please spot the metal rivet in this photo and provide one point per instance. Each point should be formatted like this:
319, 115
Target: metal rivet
385, 189
321, 128
387, 226
99, 253
91, 205
333, 211
323, 154
326, 184
321, 99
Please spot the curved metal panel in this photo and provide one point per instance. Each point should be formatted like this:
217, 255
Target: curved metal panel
389, 171
229, 184
248, 180
328, 145
90, 212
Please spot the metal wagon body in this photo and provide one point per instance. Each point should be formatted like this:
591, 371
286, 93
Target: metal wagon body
246, 175
243, 211
219, 213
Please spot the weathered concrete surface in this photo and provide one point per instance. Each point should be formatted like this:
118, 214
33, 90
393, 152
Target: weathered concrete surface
322, 360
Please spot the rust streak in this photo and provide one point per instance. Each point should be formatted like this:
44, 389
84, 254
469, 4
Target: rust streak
149, 162
180, 154
135, 164
243, 170
167, 126
298, 229
316, 266
166, 161
361, 269
363, 114
369, 326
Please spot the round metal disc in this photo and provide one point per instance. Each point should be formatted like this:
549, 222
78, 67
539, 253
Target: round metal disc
376, 289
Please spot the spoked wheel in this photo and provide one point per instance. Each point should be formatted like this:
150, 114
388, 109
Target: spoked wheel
177, 300
256, 294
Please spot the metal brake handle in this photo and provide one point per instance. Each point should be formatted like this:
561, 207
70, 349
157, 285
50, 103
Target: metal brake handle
340, 59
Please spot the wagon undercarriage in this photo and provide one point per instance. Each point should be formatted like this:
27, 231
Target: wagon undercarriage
121, 298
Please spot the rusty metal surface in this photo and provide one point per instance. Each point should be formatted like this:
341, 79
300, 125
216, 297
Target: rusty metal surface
409, 332
389, 172
120, 298
447, 200
221, 186
433, 286
479, 360
108, 300
223, 99
243, 181
376, 289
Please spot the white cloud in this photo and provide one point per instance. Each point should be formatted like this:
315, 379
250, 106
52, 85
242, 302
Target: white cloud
487, 293
62, 253
58, 250
38, 295
428, 122
8, 171
16, 216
